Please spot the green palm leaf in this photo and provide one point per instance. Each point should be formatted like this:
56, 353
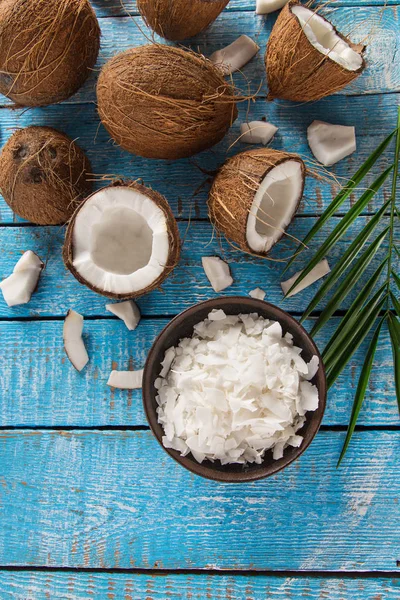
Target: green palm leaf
343, 226
343, 194
394, 330
361, 389
396, 303
349, 281
396, 279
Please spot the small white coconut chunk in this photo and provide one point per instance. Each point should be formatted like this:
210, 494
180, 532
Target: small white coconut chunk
319, 271
274, 205
264, 7
233, 57
323, 37
128, 311
257, 293
73, 342
19, 287
235, 390
330, 143
257, 132
218, 272
126, 380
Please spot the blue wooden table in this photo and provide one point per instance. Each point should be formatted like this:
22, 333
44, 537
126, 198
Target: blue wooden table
90, 505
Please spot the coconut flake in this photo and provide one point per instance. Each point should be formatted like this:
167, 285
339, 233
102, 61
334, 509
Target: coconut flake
128, 311
73, 342
235, 390
126, 380
264, 7
257, 294
257, 132
19, 287
330, 143
236, 55
319, 271
217, 272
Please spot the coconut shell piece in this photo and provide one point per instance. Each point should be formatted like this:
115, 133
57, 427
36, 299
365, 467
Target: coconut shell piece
235, 186
43, 175
173, 236
47, 49
296, 70
177, 20
162, 102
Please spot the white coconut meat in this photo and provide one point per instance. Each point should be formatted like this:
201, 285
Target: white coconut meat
127, 311
274, 205
126, 380
319, 271
218, 272
264, 7
257, 132
73, 342
19, 287
235, 56
330, 143
322, 35
120, 241
257, 294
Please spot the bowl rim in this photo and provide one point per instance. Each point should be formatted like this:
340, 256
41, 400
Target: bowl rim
206, 469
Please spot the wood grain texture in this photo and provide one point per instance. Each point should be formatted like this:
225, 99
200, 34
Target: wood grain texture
185, 183
382, 53
58, 290
115, 499
34, 365
104, 586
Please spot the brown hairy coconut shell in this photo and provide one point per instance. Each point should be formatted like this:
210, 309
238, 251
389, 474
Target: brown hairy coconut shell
177, 20
173, 237
47, 49
234, 188
43, 175
162, 102
296, 70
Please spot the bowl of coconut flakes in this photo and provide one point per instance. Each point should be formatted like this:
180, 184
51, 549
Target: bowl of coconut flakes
234, 389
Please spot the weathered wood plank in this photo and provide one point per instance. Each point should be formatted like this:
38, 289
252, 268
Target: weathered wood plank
382, 55
184, 184
36, 585
58, 290
114, 499
39, 387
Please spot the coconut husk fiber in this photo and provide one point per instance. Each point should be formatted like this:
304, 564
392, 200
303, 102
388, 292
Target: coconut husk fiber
47, 49
234, 187
177, 20
43, 175
162, 102
173, 236
298, 71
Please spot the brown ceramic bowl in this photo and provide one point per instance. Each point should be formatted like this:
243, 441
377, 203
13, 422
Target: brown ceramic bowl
182, 326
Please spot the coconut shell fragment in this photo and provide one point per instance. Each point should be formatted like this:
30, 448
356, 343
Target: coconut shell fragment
254, 197
163, 102
302, 70
47, 49
177, 20
44, 175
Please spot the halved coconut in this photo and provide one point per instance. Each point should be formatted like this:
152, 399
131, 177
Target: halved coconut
307, 58
123, 241
177, 20
255, 196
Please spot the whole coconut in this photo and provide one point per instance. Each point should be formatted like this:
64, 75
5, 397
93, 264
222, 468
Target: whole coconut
179, 19
47, 49
43, 175
162, 102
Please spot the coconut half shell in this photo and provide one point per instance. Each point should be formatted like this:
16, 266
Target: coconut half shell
177, 20
298, 70
43, 175
255, 196
47, 49
163, 102
123, 241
